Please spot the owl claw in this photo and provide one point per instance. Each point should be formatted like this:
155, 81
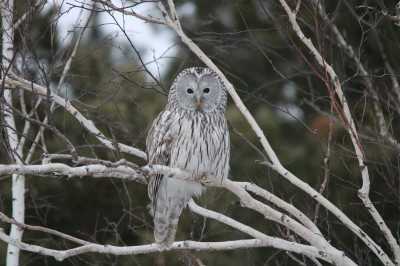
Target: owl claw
205, 178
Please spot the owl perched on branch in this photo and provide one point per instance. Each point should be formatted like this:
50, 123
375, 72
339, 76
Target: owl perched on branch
191, 134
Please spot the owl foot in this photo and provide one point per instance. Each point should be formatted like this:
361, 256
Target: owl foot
204, 178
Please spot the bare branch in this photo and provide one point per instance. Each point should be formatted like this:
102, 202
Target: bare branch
275, 163
289, 208
351, 128
16, 151
99, 171
9, 220
59, 169
266, 240
32, 9
67, 105
383, 128
66, 69
130, 12
61, 255
275, 242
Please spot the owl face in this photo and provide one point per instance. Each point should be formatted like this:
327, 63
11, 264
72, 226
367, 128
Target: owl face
199, 89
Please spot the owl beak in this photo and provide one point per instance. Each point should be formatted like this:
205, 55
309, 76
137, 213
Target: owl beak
199, 102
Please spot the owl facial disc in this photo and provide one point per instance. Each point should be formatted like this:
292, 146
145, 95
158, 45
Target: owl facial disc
199, 89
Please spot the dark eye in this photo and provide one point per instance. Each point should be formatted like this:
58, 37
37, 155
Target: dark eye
190, 91
206, 90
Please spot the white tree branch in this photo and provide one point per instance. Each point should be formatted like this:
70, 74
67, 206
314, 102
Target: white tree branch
267, 241
31, 9
289, 208
16, 152
129, 12
275, 163
9, 220
239, 189
15, 81
379, 113
300, 224
59, 169
269, 213
383, 128
65, 71
275, 242
61, 255
352, 130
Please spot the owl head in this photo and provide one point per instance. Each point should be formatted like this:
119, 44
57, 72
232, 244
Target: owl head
197, 89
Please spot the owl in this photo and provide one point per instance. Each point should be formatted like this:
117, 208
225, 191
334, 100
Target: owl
191, 133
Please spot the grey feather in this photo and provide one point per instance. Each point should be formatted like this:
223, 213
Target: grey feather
190, 134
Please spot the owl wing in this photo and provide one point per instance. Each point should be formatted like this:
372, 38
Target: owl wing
158, 146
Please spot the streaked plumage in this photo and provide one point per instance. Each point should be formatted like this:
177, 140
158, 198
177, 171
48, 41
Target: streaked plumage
191, 134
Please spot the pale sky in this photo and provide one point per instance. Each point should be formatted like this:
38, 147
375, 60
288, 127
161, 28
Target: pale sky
152, 43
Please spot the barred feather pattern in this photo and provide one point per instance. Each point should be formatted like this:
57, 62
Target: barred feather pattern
191, 140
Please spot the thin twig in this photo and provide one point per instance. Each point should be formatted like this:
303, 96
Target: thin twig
351, 128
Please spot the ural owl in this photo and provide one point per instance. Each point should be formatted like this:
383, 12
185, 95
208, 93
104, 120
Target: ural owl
191, 134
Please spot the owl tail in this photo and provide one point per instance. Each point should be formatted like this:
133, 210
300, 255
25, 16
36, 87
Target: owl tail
172, 197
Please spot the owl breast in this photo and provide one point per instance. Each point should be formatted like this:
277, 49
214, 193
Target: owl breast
201, 144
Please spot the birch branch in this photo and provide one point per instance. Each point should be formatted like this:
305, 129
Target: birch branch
16, 152
59, 169
27, 13
129, 12
65, 71
351, 128
237, 188
276, 164
9, 220
307, 232
289, 208
313, 237
388, 66
61, 255
16, 81
366, 77
274, 242
99, 171
382, 123
269, 213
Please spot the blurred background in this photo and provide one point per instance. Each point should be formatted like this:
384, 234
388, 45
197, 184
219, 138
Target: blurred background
120, 78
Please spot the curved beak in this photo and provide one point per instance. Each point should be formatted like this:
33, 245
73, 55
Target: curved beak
199, 102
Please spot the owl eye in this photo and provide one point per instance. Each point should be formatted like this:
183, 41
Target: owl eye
190, 91
206, 90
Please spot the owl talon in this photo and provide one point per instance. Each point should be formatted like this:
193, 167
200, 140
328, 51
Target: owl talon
201, 178
205, 178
